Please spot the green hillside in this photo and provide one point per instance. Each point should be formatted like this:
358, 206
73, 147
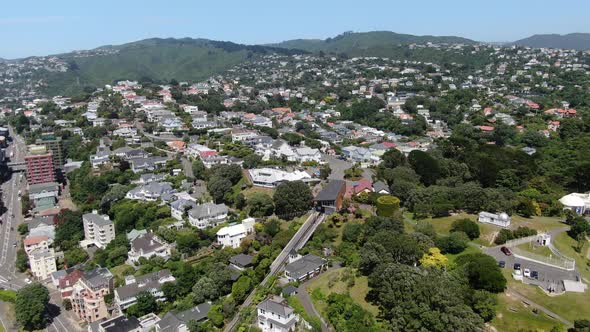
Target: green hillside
155, 59
355, 42
575, 41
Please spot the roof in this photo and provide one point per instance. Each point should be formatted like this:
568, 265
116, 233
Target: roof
331, 191
304, 265
276, 305
208, 210
143, 283
97, 219
241, 260
34, 240
147, 242
572, 200
118, 324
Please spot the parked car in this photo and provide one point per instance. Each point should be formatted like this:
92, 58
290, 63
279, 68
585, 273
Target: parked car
506, 251
502, 264
527, 273
535, 275
28, 281
517, 266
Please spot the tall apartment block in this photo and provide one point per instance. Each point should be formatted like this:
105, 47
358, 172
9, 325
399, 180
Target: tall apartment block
55, 145
39, 163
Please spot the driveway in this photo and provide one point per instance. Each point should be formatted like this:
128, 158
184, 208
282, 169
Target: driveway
338, 167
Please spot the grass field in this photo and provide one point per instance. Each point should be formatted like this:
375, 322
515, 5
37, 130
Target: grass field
565, 245
469, 250
487, 232
513, 315
538, 250
253, 190
357, 292
122, 270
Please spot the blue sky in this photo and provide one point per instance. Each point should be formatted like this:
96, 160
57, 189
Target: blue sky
41, 27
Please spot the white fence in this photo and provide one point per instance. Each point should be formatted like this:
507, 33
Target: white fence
560, 261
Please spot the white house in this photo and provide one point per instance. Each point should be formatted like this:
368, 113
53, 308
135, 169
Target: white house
502, 219
232, 236
270, 177
275, 315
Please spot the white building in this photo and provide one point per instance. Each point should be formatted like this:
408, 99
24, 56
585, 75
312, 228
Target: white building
42, 262
126, 296
275, 315
579, 203
270, 178
502, 219
99, 230
232, 236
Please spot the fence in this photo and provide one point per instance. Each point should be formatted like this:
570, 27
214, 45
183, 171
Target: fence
560, 261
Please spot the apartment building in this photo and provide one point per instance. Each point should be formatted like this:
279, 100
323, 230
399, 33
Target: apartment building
99, 230
42, 262
39, 163
88, 294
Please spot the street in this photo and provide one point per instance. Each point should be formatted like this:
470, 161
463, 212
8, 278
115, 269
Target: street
61, 320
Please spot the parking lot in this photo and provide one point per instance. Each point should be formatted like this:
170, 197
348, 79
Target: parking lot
549, 277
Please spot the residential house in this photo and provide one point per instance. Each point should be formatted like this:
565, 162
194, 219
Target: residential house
275, 315
301, 268
32, 243
232, 236
126, 296
330, 198
151, 192
179, 321
179, 208
271, 178
208, 215
148, 245
241, 261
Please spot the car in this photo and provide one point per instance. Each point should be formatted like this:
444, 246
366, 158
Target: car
527, 273
506, 251
517, 266
14, 244
28, 281
535, 275
502, 264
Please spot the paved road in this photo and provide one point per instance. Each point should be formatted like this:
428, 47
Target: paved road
307, 304
297, 242
548, 276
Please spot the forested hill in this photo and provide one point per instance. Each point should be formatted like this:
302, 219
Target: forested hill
155, 59
575, 41
360, 42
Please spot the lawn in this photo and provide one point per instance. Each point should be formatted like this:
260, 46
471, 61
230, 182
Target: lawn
513, 315
487, 232
253, 190
469, 250
570, 306
357, 292
536, 249
565, 245
122, 270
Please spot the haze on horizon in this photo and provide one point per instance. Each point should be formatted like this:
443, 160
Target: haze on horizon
46, 28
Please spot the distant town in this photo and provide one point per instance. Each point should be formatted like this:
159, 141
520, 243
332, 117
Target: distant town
312, 191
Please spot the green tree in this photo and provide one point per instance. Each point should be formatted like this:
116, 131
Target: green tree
146, 303
467, 226
484, 304
241, 288
425, 165
218, 187
393, 158
455, 243
292, 199
31, 306
325, 171
483, 272
272, 227
260, 204
199, 170
215, 315
205, 289
387, 205
23, 229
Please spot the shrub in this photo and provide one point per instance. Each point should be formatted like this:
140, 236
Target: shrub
387, 205
467, 226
